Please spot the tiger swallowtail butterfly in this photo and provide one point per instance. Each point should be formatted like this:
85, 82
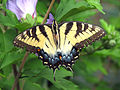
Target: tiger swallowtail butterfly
58, 44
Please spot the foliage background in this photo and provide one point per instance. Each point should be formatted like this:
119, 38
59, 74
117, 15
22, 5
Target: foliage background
98, 67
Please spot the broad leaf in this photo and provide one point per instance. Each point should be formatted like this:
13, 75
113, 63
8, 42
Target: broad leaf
6, 40
9, 20
97, 4
69, 8
32, 86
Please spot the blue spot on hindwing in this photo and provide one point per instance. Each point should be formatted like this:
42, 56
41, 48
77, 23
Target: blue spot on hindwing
74, 52
46, 57
52, 61
56, 59
63, 58
42, 52
68, 58
71, 55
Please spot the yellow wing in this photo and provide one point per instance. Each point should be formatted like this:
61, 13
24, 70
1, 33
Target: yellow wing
38, 36
78, 34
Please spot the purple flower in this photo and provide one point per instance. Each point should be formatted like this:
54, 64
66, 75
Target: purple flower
50, 20
22, 7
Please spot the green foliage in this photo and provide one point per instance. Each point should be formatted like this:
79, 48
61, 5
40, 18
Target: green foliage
32, 86
113, 36
98, 66
72, 9
97, 4
26, 23
8, 20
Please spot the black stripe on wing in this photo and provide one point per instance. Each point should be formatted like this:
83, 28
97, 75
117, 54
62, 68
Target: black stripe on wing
31, 33
34, 35
79, 29
21, 40
98, 35
68, 27
42, 30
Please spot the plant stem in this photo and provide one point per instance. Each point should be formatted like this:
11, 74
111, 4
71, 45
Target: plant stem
46, 15
15, 74
26, 54
20, 69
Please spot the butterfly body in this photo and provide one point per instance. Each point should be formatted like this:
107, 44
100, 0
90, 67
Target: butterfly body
58, 44
60, 54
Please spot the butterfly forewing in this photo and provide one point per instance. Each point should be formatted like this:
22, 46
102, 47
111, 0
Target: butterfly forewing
38, 36
79, 34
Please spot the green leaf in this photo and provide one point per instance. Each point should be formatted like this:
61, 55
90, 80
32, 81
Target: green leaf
109, 28
5, 20
6, 40
104, 24
48, 74
32, 86
29, 19
39, 19
68, 8
97, 4
4, 3
60, 82
23, 26
7, 82
112, 33
10, 58
94, 63
113, 53
7, 54
9, 20
7, 70
65, 85
81, 16
2, 75
26, 23
35, 68
41, 8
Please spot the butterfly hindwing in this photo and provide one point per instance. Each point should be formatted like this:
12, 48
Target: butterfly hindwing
79, 34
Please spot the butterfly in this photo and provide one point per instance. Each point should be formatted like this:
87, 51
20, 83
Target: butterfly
58, 44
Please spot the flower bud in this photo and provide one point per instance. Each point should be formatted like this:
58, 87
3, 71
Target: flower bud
112, 43
109, 44
89, 49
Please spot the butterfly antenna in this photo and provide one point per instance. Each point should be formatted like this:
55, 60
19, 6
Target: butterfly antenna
54, 70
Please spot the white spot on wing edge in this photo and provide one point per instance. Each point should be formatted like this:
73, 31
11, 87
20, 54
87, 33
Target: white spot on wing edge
90, 25
82, 26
